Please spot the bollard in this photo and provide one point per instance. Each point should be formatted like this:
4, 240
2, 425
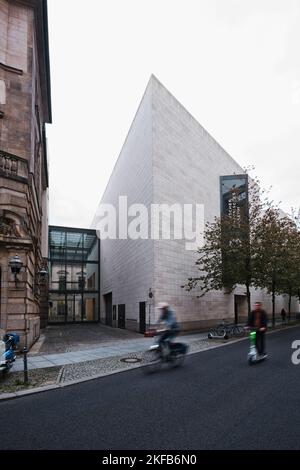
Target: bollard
25, 365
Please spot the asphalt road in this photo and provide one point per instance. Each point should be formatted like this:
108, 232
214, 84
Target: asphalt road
215, 401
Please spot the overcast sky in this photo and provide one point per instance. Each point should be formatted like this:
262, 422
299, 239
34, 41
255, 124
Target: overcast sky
234, 64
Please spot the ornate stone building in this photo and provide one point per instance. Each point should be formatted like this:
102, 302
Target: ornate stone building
25, 107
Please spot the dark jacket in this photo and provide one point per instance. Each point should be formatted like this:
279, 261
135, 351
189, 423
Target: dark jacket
263, 319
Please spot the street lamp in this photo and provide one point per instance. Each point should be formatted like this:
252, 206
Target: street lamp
41, 278
43, 273
16, 265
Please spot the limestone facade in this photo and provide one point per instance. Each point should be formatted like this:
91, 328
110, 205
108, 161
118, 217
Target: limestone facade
25, 107
167, 158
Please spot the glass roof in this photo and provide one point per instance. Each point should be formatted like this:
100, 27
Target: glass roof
71, 244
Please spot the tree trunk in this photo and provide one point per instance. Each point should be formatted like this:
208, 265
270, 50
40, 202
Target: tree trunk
248, 298
273, 304
290, 301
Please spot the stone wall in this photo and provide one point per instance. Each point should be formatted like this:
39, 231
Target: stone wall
127, 265
23, 163
187, 165
167, 158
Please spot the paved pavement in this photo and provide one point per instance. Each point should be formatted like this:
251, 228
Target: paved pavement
74, 344
57, 339
113, 348
215, 401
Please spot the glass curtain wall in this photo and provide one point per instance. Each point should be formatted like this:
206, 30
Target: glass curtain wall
73, 275
234, 193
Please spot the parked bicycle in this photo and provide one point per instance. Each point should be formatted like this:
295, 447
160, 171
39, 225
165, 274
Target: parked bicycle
171, 353
225, 330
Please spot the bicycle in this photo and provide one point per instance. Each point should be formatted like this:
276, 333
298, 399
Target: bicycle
167, 352
220, 331
225, 330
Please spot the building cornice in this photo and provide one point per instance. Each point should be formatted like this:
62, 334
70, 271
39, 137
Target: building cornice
8, 68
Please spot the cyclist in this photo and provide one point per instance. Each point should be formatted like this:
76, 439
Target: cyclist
167, 316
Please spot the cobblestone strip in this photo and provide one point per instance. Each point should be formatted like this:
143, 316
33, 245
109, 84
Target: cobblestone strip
99, 366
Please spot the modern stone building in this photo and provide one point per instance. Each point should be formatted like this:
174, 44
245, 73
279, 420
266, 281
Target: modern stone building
167, 158
25, 107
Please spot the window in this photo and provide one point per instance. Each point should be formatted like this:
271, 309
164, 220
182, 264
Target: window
73, 274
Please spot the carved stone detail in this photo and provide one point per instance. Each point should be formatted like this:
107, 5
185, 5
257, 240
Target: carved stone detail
8, 228
13, 225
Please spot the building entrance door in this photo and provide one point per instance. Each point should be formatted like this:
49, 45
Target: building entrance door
74, 308
108, 308
142, 317
240, 308
121, 316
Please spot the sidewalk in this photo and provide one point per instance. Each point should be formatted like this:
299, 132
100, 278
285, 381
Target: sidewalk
49, 371
118, 348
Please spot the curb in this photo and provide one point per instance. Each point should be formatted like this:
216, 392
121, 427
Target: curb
58, 385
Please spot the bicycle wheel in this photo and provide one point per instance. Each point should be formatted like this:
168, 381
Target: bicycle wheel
221, 330
151, 361
177, 359
230, 330
238, 331
212, 332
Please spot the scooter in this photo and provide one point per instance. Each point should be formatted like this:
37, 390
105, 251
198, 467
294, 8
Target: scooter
253, 355
8, 345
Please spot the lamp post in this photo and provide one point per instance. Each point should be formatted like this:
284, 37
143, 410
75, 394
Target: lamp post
25, 349
16, 264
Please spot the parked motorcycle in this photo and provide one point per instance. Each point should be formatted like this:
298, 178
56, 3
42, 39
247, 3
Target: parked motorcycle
8, 346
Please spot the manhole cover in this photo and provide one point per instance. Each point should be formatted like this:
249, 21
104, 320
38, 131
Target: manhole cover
131, 360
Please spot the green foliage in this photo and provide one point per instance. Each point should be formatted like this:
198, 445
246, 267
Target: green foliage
261, 249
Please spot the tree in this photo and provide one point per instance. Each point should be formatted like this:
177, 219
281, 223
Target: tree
273, 262
290, 281
225, 260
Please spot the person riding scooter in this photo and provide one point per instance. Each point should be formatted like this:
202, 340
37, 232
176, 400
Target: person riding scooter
258, 321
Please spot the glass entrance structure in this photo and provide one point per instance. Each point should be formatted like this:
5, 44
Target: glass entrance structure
74, 275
